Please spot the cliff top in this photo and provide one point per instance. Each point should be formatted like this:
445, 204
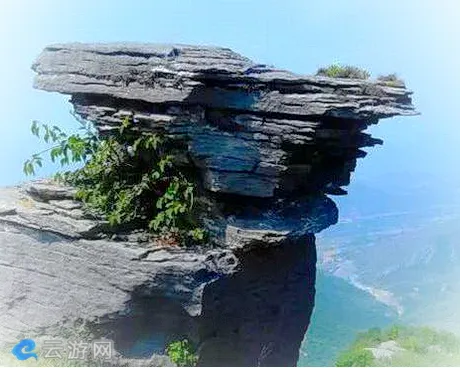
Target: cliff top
277, 132
162, 73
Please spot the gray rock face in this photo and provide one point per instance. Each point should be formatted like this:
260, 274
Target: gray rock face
267, 145
56, 270
277, 131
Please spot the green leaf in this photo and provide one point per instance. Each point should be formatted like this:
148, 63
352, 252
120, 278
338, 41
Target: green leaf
55, 152
156, 175
35, 129
137, 143
160, 203
47, 135
29, 168
64, 161
25, 168
125, 123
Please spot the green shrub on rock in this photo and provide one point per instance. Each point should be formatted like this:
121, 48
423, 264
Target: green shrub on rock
182, 353
391, 80
128, 177
347, 71
355, 358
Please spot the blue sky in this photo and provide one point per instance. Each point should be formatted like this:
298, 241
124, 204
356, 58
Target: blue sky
417, 39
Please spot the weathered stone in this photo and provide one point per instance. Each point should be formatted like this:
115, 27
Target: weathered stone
267, 145
52, 277
200, 93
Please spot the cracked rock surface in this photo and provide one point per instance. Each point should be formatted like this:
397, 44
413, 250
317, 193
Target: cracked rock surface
276, 131
57, 270
267, 145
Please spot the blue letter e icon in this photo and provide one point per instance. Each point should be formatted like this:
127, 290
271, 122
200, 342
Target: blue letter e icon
23, 350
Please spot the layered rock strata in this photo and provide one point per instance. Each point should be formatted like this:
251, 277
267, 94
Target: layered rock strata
267, 146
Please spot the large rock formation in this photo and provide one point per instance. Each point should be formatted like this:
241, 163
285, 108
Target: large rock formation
267, 146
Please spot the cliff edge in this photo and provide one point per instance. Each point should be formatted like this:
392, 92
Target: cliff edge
267, 146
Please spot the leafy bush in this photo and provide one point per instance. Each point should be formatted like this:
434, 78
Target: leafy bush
391, 80
182, 353
355, 358
394, 332
128, 177
347, 71
422, 346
